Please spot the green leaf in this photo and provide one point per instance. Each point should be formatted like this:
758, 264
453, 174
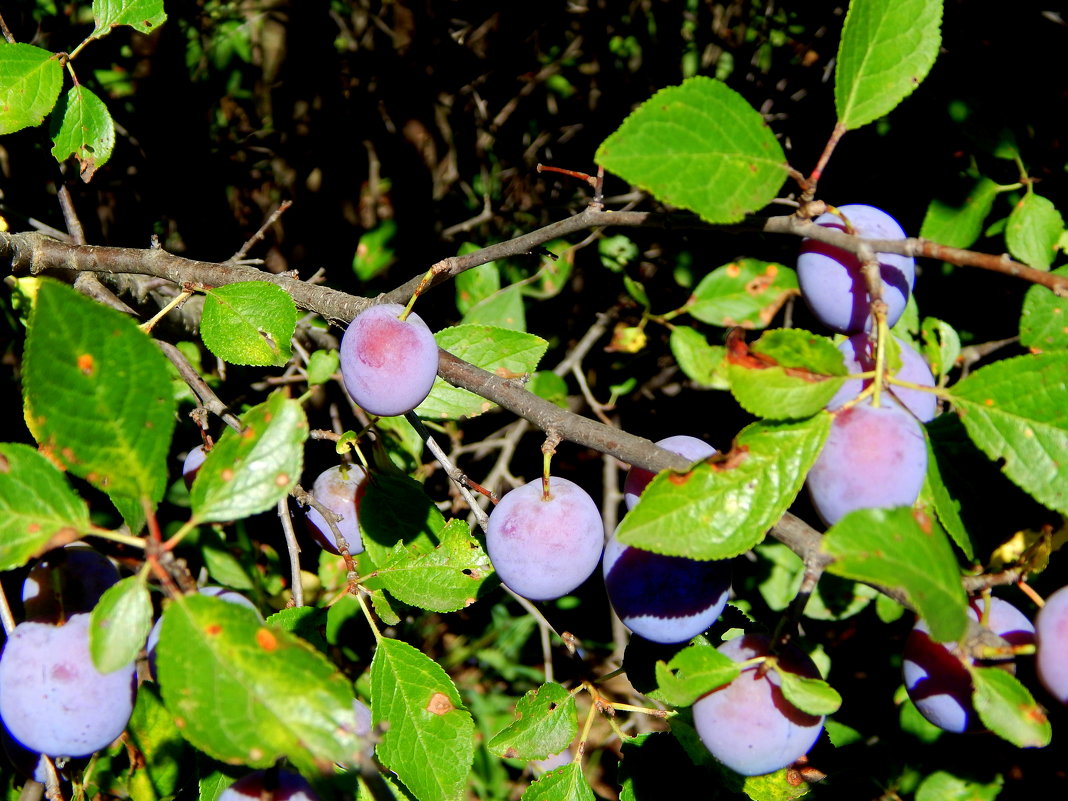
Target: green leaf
83, 129
38, 509
691, 673
792, 375
833, 599
373, 251
1016, 411
701, 362
119, 624
725, 506
563, 784
1006, 708
30, 80
617, 251
476, 284
503, 309
906, 550
322, 366
935, 493
250, 471
958, 223
549, 386
144, 15
507, 353
249, 323
557, 262
1034, 230
1044, 320
428, 736
547, 724
81, 355
445, 579
396, 510
814, 696
944, 786
941, 346
245, 692
886, 50
700, 146
747, 293
154, 735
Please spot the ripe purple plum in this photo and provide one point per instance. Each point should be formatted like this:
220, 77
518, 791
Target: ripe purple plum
52, 699
859, 353
388, 364
873, 457
664, 598
748, 725
1051, 640
262, 785
831, 281
638, 477
340, 489
545, 547
191, 464
67, 581
936, 674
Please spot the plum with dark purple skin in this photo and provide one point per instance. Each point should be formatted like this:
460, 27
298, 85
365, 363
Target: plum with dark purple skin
748, 725
638, 478
262, 785
831, 280
340, 489
53, 700
874, 457
1051, 640
545, 547
388, 364
859, 353
665, 599
936, 674
67, 581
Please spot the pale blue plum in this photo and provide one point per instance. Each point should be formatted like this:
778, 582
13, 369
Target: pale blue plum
1051, 635
388, 364
543, 548
340, 489
261, 785
859, 354
748, 725
874, 457
831, 281
52, 698
686, 446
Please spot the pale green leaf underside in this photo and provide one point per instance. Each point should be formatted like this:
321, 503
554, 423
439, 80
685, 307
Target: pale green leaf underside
120, 624
1044, 320
1016, 411
886, 50
547, 723
699, 146
563, 784
1007, 708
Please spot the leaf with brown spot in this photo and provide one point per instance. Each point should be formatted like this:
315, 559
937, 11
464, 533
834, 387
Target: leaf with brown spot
439, 704
547, 723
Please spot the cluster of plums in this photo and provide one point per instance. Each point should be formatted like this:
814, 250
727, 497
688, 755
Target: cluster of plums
938, 675
874, 456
